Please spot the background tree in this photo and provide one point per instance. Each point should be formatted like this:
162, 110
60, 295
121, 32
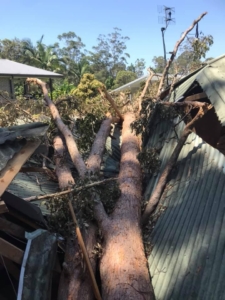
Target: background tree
12, 50
109, 55
42, 56
124, 77
159, 64
138, 67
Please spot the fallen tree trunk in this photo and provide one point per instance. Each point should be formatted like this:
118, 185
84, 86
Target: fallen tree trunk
166, 69
123, 267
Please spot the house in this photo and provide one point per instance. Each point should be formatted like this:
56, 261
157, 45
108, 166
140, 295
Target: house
11, 70
187, 257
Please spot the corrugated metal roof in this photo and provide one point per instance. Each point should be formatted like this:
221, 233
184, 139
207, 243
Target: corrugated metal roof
33, 184
12, 68
188, 255
135, 83
212, 80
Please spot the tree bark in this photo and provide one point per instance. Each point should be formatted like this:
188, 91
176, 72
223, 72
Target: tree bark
63, 173
123, 267
70, 142
94, 160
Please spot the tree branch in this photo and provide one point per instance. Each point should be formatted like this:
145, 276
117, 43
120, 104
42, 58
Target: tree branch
108, 97
48, 196
70, 142
94, 160
156, 195
140, 98
175, 52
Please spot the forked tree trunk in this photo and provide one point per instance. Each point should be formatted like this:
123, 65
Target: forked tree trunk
123, 267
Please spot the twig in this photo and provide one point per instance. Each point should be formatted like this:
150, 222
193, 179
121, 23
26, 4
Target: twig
175, 52
47, 196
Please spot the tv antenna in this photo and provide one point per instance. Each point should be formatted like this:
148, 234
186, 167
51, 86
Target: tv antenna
168, 12
167, 19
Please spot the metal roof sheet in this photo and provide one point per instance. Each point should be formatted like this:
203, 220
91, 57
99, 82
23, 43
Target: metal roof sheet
211, 78
188, 257
33, 184
135, 83
12, 68
212, 81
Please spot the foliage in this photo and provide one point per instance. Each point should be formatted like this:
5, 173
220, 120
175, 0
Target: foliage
87, 128
62, 89
138, 67
190, 55
83, 201
124, 77
149, 160
42, 56
12, 50
88, 95
159, 64
109, 55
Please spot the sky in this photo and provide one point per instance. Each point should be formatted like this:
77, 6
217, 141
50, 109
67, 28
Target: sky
138, 20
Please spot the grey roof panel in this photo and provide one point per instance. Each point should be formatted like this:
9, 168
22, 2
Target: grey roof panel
188, 240
33, 184
12, 68
212, 81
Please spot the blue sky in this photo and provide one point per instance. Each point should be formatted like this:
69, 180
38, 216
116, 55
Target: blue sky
88, 19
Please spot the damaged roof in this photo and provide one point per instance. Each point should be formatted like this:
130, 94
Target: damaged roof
187, 260
211, 78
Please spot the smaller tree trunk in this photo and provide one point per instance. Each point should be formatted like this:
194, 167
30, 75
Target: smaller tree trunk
94, 160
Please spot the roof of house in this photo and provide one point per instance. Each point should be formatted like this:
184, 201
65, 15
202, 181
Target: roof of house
135, 83
211, 78
15, 69
188, 258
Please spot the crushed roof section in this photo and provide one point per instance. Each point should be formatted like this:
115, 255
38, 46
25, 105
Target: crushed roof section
25, 131
188, 257
211, 78
12, 68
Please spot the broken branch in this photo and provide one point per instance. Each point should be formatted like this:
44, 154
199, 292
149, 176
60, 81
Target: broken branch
140, 98
48, 196
156, 195
169, 62
70, 142
84, 250
108, 97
